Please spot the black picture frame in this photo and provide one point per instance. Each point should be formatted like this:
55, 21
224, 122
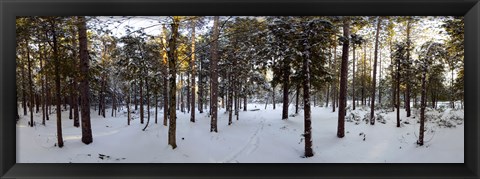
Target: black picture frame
9, 9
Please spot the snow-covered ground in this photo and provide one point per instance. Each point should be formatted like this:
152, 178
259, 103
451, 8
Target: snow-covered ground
257, 137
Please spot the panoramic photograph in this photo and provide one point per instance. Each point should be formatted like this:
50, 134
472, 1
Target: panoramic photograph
240, 89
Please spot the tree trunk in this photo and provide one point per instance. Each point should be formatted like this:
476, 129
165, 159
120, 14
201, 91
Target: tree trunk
266, 102
380, 77
296, 98
141, 101
114, 107
76, 122
192, 66
70, 113
156, 108
364, 76
128, 106
343, 81
103, 95
452, 95
30, 81
148, 106
49, 99
201, 95
18, 116
273, 98
166, 110
237, 98
84, 86
37, 102
172, 62
44, 111
245, 103
327, 97
393, 75
214, 74
422, 109
57, 86
353, 78
182, 101
286, 86
135, 99
374, 81
307, 112
335, 81
398, 93
230, 98
24, 91
148, 100
408, 83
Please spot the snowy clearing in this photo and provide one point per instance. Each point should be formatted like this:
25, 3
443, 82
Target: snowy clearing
259, 136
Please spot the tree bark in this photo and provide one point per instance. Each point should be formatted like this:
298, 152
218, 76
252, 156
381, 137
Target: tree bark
172, 62
70, 113
57, 85
296, 98
148, 100
201, 95
128, 105
307, 112
374, 81
24, 91
141, 101
286, 86
335, 81
422, 108
84, 86
30, 81
148, 105
273, 98
343, 81
194, 71
37, 102
135, 100
398, 93
114, 107
380, 77
452, 95
214, 74
230, 98
182, 101
364, 69
353, 78
43, 87
76, 122
245, 103
156, 108
408, 83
